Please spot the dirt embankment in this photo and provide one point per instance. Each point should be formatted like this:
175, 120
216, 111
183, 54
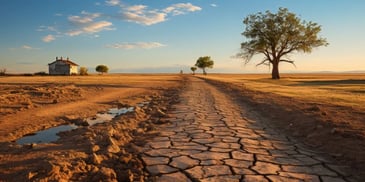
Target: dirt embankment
336, 130
102, 152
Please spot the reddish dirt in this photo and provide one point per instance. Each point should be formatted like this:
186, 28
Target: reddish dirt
103, 152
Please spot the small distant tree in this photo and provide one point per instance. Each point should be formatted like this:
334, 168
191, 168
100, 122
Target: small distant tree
193, 69
102, 69
204, 62
83, 71
3, 71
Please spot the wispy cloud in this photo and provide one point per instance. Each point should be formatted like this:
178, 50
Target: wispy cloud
27, 47
44, 28
181, 8
136, 45
213, 5
144, 17
112, 2
86, 24
141, 14
92, 23
48, 38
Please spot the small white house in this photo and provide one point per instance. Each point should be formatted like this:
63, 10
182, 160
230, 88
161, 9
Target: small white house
62, 67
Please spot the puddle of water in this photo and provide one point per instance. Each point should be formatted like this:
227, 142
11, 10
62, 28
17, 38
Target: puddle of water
121, 111
106, 117
46, 136
50, 135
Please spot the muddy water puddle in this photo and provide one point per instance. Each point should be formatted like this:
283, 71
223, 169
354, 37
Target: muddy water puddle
50, 135
106, 117
46, 136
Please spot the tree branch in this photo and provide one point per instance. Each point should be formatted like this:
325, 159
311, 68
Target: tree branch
265, 62
288, 61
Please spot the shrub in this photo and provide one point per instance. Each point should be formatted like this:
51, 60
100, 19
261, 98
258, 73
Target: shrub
83, 71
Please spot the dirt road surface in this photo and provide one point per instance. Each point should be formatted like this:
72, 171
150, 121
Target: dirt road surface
190, 129
212, 138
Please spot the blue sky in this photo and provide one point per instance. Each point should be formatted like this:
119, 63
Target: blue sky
167, 35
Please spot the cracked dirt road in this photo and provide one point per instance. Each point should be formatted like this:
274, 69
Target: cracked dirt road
210, 139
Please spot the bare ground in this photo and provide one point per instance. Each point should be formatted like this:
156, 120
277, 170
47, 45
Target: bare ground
110, 151
98, 153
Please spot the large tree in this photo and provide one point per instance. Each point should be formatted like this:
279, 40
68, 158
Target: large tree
204, 62
278, 35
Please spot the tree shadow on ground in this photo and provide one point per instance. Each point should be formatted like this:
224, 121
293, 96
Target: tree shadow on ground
329, 82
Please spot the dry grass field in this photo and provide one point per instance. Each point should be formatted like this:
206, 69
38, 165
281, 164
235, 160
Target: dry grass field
338, 98
324, 111
339, 89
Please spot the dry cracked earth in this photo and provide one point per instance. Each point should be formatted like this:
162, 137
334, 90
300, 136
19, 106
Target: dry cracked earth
209, 138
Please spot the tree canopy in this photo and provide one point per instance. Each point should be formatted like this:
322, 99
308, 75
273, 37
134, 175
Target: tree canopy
278, 35
193, 69
102, 69
204, 62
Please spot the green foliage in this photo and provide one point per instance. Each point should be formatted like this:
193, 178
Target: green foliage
193, 69
102, 69
83, 71
277, 35
204, 62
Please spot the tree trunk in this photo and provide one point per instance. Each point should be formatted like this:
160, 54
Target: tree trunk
204, 72
275, 71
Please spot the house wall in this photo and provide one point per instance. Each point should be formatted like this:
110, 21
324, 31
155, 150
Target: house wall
60, 68
74, 70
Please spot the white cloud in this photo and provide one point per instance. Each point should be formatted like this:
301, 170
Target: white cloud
97, 27
74, 32
213, 5
181, 8
136, 45
145, 18
48, 38
44, 28
86, 18
141, 15
86, 24
113, 2
137, 8
28, 47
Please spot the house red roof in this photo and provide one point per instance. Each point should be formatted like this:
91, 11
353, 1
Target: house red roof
65, 61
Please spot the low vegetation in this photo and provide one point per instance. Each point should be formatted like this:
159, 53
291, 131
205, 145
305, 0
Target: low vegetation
84, 71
